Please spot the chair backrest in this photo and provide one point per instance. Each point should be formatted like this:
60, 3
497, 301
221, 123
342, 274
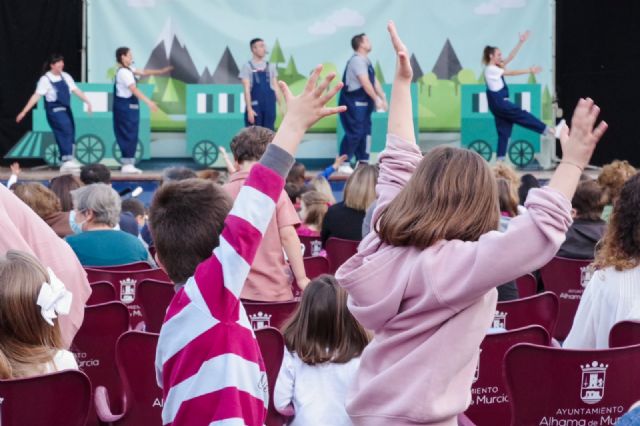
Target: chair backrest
57, 399
271, 345
571, 387
154, 297
489, 402
101, 292
566, 278
135, 266
269, 314
94, 346
135, 357
527, 285
126, 285
312, 246
624, 333
541, 309
339, 251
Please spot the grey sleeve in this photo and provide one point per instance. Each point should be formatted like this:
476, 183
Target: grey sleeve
245, 72
278, 160
273, 70
359, 66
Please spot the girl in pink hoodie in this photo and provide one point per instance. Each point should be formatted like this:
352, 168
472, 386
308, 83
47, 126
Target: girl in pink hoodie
425, 280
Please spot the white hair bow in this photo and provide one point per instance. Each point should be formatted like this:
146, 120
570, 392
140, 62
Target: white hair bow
54, 299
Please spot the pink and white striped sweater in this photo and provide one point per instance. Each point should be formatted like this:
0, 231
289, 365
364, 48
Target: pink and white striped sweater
208, 361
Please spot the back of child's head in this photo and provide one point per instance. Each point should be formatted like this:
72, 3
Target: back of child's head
41, 199
250, 143
508, 202
27, 341
527, 182
588, 200
321, 184
186, 219
505, 171
95, 173
171, 174
314, 207
451, 196
133, 206
613, 177
322, 329
296, 174
360, 189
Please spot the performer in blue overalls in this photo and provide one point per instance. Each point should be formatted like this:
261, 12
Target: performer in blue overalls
506, 113
361, 94
126, 108
56, 87
260, 87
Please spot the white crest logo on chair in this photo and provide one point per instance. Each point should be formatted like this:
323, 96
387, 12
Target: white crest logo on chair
128, 290
316, 247
260, 320
586, 272
499, 320
593, 380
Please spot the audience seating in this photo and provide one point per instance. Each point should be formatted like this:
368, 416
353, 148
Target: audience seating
271, 345
527, 285
135, 358
95, 349
57, 399
316, 266
551, 386
339, 251
490, 405
154, 298
135, 266
624, 333
269, 314
101, 292
312, 246
541, 309
566, 278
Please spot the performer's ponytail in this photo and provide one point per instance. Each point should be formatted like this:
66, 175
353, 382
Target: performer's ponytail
486, 54
120, 52
52, 59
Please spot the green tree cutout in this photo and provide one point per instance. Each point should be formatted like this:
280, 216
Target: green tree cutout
291, 74
277, 57
170, 93
532, 79
547, 105
379, 74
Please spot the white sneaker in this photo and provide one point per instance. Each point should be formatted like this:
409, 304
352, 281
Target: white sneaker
345, 169
130, 169
69, 167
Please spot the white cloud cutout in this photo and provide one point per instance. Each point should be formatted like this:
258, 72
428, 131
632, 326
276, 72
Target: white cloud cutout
494, 7
341, 18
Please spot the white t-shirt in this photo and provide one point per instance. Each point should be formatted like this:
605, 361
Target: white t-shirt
493, 77
125, 78
63, 360
46, 89
318, 392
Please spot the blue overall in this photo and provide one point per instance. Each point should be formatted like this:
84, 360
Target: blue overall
126, 121
356, 120
507, 114
263, 98
60, 118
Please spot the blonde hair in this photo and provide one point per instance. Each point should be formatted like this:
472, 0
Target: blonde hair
360, 189
506, 198
316, 205
41, 199
27, 342
321, 184
502, 170
613, 177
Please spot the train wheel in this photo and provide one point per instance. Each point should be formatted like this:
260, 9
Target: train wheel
482, 148
89, 149
521, 153
52, 155
117, 154
205, 153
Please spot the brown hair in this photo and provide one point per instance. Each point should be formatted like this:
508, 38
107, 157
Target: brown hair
210, 174
486, 54
356, 41
62, 187
508, 203
322, 329
185, 219
316, 205
40, 198
296, 174
502, 170
451, 196
621, 242
613, 176
27, 342
321, 184
250, 143
360, 189
588, 201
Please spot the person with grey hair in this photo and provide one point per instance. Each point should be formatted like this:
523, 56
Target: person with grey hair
96, 210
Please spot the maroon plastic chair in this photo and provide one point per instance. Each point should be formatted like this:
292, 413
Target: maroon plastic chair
135, 266
271, 345
57, 399
490, 405
95, 349
269, 314
316, 266
624, 333
566, 278
577, 387
135, 358
126, 285
154, 297
101, 292
339, 251
541, 309
312, 246
527, 285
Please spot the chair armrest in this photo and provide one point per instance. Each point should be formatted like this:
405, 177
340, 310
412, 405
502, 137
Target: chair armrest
101, 401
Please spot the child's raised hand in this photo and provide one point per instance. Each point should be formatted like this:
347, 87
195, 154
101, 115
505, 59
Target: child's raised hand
579, 142
403, 64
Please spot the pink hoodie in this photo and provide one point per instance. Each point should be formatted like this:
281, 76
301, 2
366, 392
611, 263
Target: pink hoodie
430, 309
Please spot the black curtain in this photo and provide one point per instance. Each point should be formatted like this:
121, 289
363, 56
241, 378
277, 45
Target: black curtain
597, 46
30, 30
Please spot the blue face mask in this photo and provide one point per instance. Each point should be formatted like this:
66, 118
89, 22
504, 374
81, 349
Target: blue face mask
75, 226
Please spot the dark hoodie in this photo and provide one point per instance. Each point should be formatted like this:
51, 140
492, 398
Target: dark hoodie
582, 238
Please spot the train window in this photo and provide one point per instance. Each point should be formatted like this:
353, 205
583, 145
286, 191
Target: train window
226, 103
204, 103
480, 103
523, 100
100, 101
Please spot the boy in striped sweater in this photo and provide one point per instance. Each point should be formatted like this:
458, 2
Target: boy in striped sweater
208, 361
